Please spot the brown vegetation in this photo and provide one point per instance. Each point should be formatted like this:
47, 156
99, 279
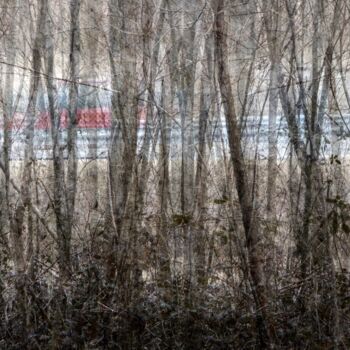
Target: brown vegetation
213, 210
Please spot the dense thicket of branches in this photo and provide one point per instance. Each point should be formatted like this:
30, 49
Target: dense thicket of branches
210, 209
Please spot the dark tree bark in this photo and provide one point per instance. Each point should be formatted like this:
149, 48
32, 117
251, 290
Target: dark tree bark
250, 225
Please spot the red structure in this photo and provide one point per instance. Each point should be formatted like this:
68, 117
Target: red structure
87, 118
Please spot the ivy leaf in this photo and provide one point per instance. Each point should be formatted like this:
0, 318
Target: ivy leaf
181, 219
224, 240
222, 200
346, 228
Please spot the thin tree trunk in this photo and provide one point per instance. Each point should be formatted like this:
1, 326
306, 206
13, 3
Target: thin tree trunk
25, 203
201, 186
8, 111
59, 188
249, 223
92, 102
122, 155
71, 188
163, 193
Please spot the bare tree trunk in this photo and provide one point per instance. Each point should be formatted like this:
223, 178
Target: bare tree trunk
150, 66
164, 273
153, 22
207, 95
92, 102
272, 159
122, 155
71, 188
201, 187
112, 222
7, 99
59, 188
250, 224
24, 205
312, 239
186, 59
